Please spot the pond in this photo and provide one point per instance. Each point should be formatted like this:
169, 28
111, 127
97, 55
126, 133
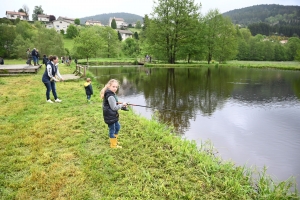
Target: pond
251, 116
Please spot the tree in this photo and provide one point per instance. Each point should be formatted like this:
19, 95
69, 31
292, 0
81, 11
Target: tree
26, 10
24, 29
213, 22
20, 46
136, 35
77, 21
62, 31
72, 31
138, 25
120, 36
110, 42
21, 10
87, 43
52, 18
171, 27
37, 11
227, 43
130, 47
293, 45
113, 24
7, 37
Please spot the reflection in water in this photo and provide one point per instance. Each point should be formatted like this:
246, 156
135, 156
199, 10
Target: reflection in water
250, 115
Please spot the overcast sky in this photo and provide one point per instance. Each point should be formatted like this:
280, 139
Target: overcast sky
85, 8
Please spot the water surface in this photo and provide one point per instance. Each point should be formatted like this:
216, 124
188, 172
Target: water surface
250, 115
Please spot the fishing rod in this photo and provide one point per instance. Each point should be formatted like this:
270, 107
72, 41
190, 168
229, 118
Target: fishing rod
130, 104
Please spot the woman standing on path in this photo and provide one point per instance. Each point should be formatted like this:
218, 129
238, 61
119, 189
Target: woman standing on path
49, 78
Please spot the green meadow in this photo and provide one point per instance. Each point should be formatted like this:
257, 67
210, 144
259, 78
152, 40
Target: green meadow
61, 151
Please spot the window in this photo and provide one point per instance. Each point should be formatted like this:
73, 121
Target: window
57, 26
60, 21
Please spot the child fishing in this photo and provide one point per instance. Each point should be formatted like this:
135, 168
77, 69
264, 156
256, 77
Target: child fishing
110, 110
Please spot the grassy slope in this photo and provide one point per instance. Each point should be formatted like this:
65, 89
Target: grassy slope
61, 151
68, 43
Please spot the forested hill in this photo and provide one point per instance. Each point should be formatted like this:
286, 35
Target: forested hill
269, 13
104, 18
268, 19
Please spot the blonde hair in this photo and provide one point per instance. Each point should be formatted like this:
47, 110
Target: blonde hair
108, 84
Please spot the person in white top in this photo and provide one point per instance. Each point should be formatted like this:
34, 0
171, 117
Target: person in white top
49, 78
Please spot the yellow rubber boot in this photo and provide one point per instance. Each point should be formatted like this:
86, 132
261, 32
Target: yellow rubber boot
113, 143
116, 135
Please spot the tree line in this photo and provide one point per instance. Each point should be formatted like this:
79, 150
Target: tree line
175, 31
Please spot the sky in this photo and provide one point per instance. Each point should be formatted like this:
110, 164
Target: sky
80, 9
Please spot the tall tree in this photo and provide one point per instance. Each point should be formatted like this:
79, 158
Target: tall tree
113, 24
110, 42
26, 10
21, 10
37, 11
87, 43
120, 36
227, 43
170, 27
213, 22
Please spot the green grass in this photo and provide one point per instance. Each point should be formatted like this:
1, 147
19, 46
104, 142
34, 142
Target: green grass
68, 43
61, 151
289, 65
133, 30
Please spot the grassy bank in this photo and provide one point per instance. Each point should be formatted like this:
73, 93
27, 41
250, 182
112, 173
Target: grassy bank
288, 65
61, 151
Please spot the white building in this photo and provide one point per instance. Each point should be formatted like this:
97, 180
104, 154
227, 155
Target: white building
119, 21
62, 23
44, 18
15, 15
93, 23
125, 34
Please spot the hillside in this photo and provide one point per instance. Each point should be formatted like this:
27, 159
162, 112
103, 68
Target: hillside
269, 13
104, 18
271, 18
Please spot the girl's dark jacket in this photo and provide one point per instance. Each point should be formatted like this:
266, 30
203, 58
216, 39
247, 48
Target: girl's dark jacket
110, 115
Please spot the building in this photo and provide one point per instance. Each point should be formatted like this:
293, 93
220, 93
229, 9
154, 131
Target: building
44, 18
62, 23
15, 15
66, 19
125, 34
119, 21
93, 23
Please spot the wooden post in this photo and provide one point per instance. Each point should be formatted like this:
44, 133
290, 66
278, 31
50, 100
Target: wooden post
84, 71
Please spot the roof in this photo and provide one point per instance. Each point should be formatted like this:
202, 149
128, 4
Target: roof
66, 18
16, 13
91, 21
126, 32
117, 19
45, 16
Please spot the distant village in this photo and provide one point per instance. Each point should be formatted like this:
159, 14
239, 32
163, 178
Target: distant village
62, 23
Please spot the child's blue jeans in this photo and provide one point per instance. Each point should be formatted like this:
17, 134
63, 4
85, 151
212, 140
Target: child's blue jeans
114, 129
88, 97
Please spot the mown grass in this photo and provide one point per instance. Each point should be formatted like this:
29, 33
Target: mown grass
61, 151
289, 65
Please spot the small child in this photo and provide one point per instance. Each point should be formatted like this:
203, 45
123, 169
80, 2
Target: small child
110, 110
88, 89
